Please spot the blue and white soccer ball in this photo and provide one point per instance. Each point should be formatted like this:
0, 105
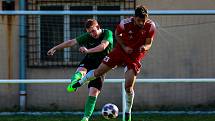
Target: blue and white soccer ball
110, 111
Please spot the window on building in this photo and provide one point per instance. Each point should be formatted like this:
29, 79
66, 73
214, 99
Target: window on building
109, 22
77, 27
46, 31
8, 5
51, 33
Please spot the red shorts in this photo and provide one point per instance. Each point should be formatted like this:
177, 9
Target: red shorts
119, 57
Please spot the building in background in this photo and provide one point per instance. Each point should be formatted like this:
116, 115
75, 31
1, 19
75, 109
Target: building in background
182, 49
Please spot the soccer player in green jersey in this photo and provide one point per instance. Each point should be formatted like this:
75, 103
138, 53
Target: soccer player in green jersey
96, 43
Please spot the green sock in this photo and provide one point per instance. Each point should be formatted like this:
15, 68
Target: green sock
89, 106
76, 76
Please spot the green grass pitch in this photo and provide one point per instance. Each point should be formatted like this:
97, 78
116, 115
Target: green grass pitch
99, 118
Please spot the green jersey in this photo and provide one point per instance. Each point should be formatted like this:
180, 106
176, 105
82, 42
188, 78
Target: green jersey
89, 42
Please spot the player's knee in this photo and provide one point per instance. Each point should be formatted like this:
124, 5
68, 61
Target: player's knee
97, 73
101, 70
94, 92
129, 89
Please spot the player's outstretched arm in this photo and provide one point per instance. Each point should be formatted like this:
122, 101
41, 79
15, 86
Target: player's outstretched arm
65, 44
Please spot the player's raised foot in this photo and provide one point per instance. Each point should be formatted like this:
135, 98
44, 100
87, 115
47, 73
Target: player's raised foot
127, 117
70, 88
85, 119
73, 86
76, 85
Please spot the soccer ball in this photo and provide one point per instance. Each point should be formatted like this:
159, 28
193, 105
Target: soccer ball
110, 111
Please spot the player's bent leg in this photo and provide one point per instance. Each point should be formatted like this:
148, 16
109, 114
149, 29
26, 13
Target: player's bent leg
70, 87
101, 70
93, 74
88, 77
81, 71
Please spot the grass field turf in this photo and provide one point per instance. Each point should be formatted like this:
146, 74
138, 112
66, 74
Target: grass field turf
99, 118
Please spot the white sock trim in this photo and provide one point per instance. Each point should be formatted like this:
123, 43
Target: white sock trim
129, 101
88, 77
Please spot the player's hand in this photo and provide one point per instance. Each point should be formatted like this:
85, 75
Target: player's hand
51, 51
128, 50
83, 50
142, 49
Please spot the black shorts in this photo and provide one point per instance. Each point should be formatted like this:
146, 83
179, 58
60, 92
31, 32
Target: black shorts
97, 83
90, 64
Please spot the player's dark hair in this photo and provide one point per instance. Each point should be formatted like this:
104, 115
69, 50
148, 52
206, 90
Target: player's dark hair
90, 23
141, 11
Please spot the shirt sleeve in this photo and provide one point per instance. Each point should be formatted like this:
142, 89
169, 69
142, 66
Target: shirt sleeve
108, 36
120, 27
152, 30
82, 38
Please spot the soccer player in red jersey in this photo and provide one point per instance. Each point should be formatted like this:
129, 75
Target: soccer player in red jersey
134, 38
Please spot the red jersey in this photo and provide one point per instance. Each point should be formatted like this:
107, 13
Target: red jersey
134, 36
